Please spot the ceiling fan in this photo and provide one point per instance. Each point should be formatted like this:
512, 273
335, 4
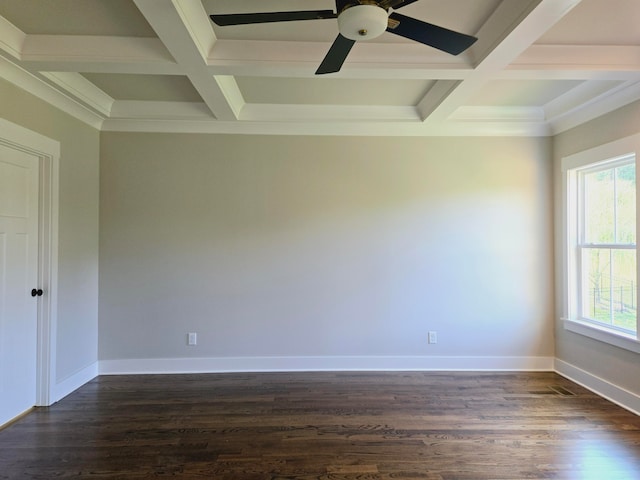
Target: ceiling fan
361, 20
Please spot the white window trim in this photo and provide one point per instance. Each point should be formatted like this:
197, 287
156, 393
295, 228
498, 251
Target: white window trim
606, 335
609, 152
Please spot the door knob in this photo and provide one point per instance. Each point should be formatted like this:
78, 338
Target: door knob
37, 292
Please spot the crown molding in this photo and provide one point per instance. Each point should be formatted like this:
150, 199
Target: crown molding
83, 90
331, 128
602, 104
39, 88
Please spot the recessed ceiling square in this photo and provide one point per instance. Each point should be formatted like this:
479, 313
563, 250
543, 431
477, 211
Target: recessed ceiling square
77, 17
159, 88
597, 22
530, 93
332, 91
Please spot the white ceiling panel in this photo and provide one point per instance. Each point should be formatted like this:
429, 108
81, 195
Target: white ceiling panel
539, 66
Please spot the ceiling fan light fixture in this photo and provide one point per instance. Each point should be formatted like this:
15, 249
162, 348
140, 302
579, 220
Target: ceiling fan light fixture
362, 22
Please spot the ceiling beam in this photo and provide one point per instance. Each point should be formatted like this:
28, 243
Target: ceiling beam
579, 57
175, 22
367, 60
81, 53
11, 38
515, 40
80, 48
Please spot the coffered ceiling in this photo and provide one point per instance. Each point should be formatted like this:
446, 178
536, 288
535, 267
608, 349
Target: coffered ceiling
539, 67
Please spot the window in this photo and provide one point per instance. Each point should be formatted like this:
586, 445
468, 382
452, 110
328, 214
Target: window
606, 246
601, 251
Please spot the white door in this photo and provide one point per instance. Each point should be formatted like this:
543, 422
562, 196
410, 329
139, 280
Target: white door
19, 173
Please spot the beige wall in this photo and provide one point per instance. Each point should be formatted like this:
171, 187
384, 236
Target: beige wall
324, 246
78, 227
615, 365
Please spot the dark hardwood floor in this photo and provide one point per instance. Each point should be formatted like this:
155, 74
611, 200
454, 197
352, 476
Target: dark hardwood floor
365, 426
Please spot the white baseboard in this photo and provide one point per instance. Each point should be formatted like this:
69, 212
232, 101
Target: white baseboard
74, 381
605, 389
302, 364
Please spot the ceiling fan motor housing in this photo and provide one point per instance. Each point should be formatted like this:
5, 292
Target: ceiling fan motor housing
362, 22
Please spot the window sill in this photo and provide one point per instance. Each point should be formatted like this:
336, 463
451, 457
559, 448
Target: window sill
603, 334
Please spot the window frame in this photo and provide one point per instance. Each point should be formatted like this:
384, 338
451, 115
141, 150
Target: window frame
573, 167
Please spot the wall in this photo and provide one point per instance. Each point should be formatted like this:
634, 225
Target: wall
340, 248
77, 325
601, 364
319, 252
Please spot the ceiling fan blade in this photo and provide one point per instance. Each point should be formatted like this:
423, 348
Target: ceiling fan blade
336, 56
429, 34
224, 20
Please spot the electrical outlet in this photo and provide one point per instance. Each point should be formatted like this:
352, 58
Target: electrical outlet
433, 337
192, 339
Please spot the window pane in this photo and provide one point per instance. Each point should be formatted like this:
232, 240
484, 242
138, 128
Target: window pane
599, 208
626, 203
624, 301
609, 293
596, 284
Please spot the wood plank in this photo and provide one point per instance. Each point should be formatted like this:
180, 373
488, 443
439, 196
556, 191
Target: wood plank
339, 425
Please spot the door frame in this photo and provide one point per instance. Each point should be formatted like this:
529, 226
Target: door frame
48, 151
